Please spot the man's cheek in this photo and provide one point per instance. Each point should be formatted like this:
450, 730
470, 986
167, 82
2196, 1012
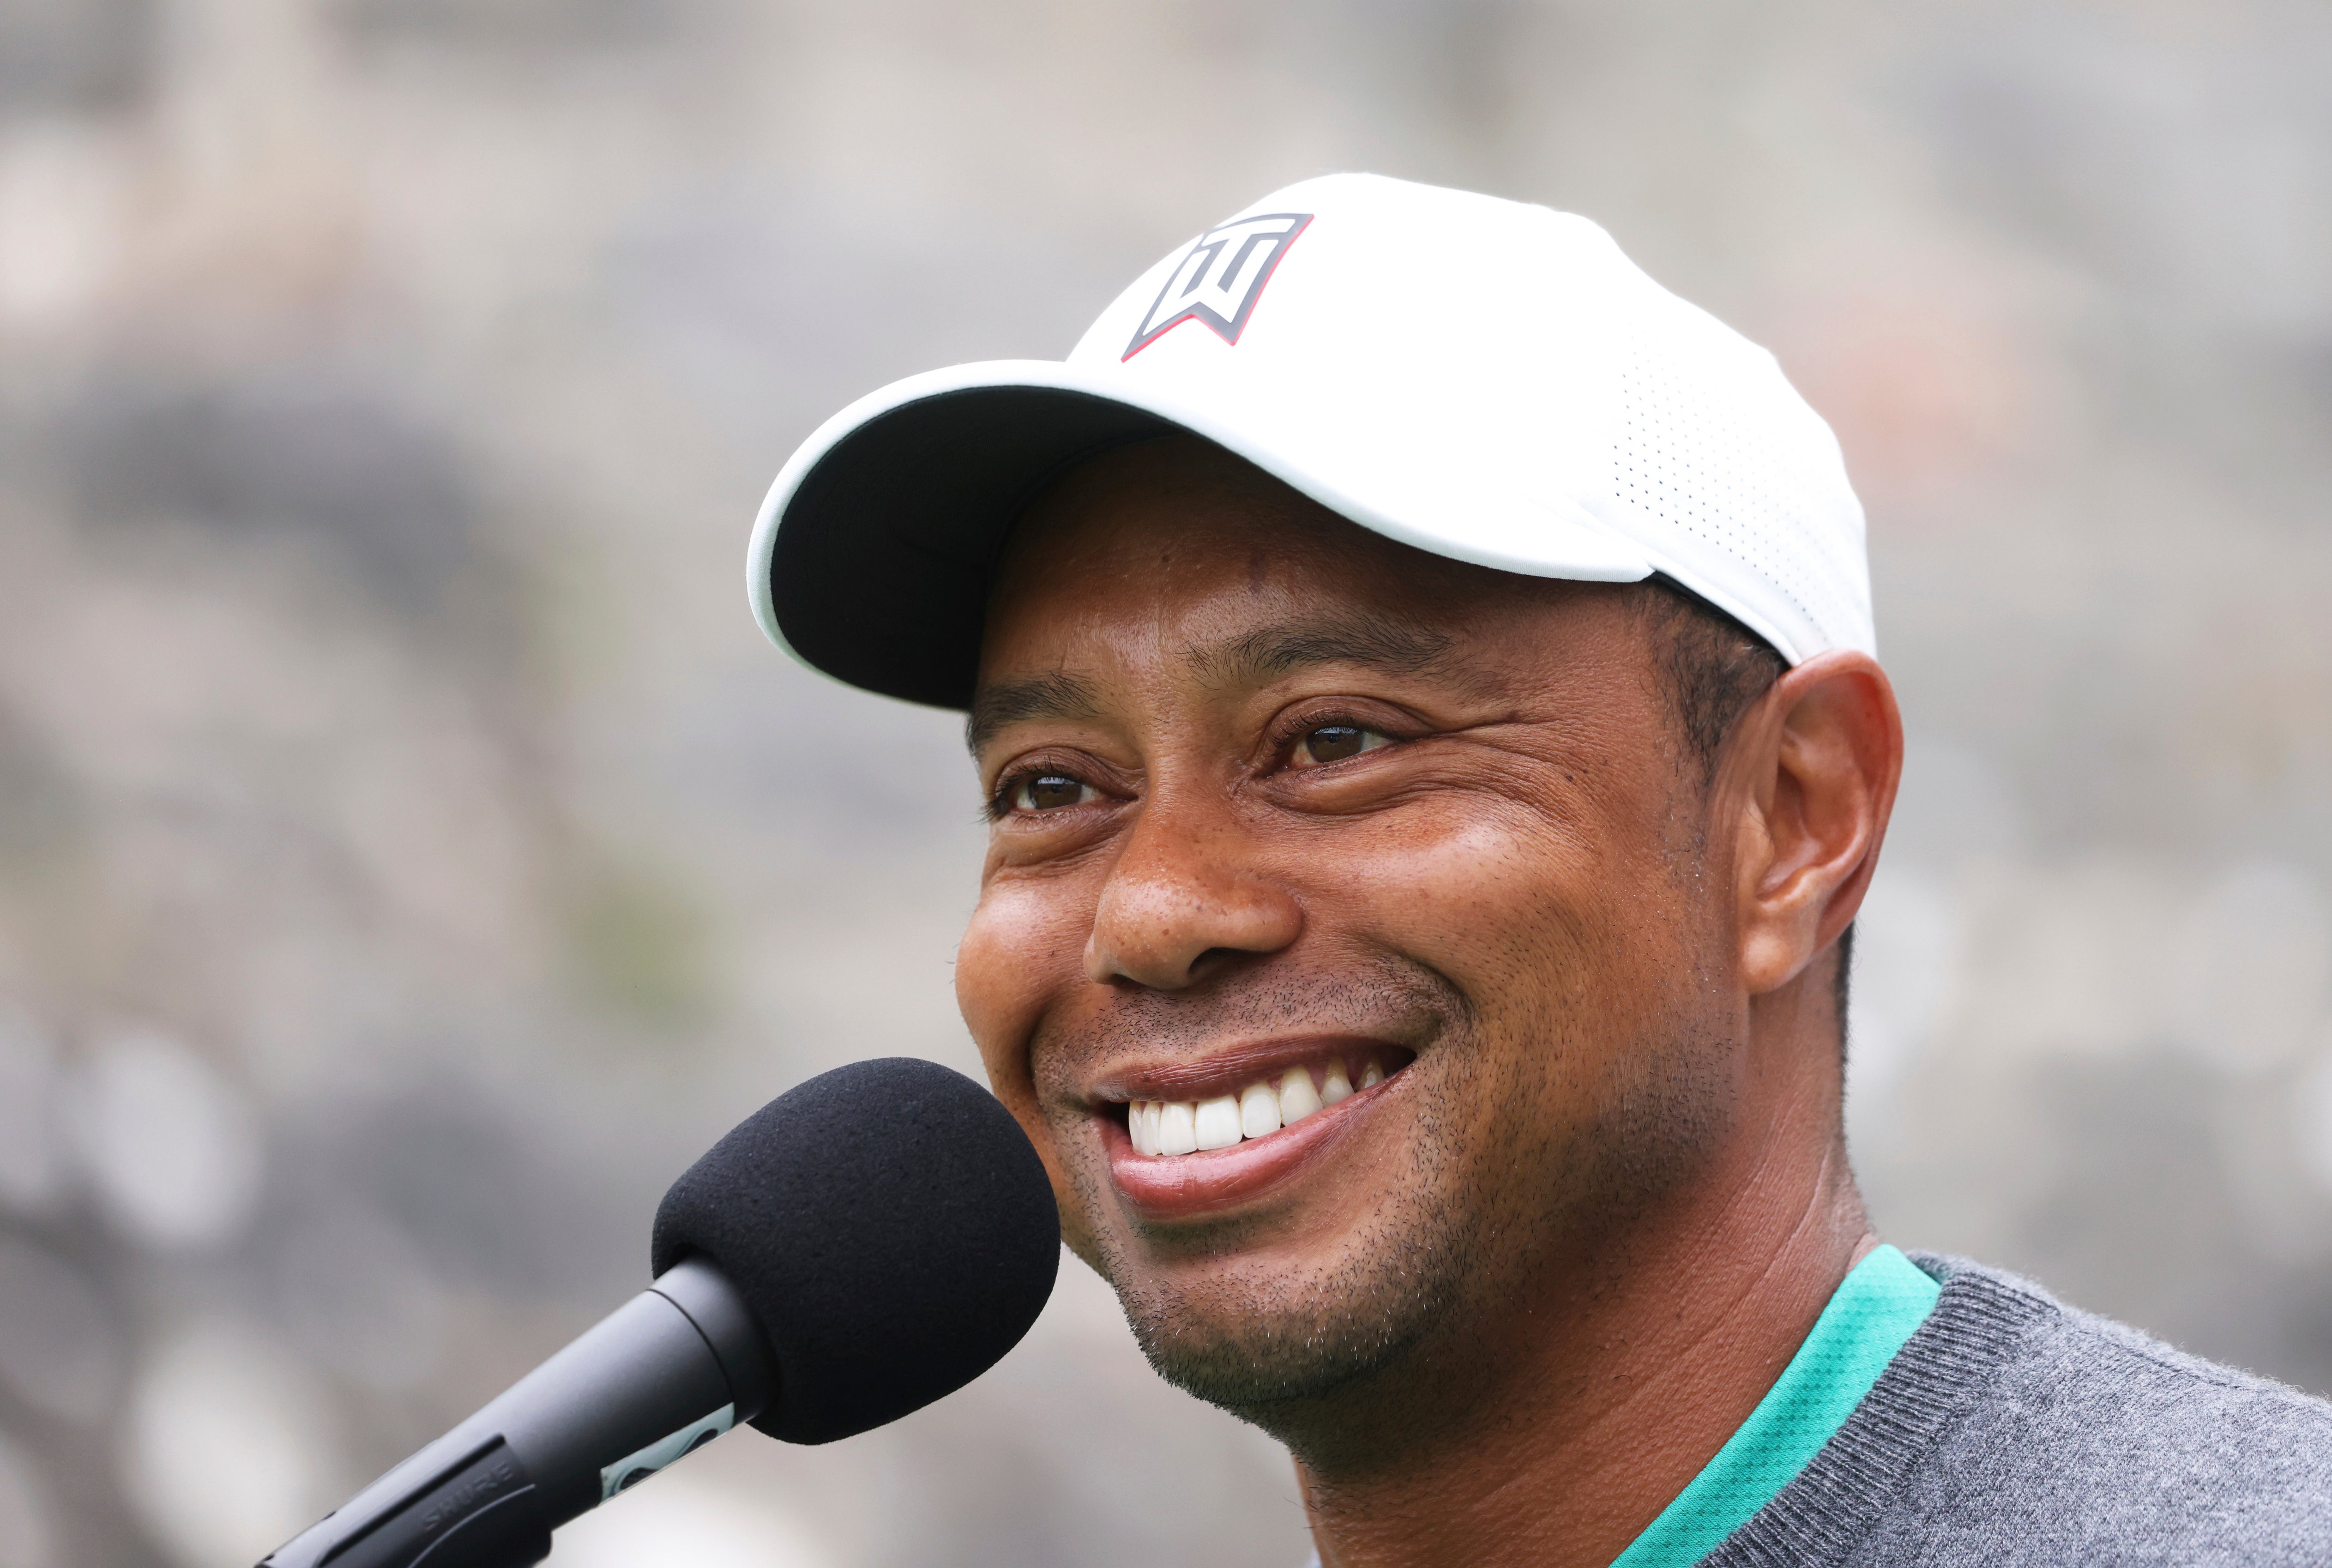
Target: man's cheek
1007, 975
1482, 896
1020, 955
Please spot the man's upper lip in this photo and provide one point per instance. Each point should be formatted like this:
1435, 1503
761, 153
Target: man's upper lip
1232, 1069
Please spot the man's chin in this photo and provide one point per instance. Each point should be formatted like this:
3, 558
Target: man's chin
1250, 1373
1251, 1351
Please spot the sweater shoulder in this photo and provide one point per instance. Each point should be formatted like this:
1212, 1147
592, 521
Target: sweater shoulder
2065, 1344
2081, 1354
2012, 1428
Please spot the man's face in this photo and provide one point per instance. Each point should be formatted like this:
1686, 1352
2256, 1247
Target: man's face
1281, 806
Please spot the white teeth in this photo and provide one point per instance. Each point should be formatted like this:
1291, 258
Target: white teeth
1259, 1111
1335, 1086
1168, 1127
1219, 1122
1178, 1128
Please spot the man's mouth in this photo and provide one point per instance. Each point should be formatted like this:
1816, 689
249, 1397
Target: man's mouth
1169, 1129
1186, 1139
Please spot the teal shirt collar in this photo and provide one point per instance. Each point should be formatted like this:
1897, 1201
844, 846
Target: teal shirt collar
1873, 1313
1874, 1309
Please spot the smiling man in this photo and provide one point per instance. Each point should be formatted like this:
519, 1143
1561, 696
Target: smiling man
1422, 680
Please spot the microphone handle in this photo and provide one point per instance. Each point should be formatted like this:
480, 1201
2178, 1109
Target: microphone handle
664, 1373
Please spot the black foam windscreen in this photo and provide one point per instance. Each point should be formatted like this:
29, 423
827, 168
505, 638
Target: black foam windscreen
891, 1226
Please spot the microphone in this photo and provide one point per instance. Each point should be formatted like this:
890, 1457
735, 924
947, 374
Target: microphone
868, 1242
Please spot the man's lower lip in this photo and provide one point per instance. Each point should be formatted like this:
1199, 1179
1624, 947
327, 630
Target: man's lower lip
1179, 1186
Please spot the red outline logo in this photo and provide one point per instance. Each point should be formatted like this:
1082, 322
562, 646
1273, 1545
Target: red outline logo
1220, 278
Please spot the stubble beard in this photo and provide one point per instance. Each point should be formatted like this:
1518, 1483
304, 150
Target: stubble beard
1255, 1343
1469, 1223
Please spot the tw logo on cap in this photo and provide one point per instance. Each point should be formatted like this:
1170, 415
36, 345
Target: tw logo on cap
1221, 278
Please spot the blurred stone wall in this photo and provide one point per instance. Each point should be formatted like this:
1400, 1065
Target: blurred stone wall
410, 855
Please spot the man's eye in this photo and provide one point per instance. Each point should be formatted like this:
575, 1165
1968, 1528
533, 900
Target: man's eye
1049, 792
1334, 743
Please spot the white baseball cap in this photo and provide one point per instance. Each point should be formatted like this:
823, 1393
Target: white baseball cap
1487, 381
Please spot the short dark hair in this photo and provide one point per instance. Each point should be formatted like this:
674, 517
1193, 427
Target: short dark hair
1716, 669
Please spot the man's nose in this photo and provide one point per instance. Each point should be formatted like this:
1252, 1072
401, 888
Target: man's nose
1185, 886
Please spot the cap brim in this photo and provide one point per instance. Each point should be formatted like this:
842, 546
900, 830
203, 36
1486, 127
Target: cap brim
871, 558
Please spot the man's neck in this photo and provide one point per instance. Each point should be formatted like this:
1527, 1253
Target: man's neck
1560, 1430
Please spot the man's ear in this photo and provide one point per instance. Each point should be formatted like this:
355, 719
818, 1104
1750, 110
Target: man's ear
1815, 774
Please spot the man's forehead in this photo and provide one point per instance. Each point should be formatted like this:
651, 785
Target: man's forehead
1172, 501
1339, 635
1179, 531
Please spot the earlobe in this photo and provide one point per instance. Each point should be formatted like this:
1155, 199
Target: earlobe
1825, 751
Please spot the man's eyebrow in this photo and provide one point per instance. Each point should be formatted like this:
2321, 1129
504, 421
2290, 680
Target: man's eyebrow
1399, 648
1056, 695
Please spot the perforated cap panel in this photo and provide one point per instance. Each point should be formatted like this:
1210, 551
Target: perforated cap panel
1730, 477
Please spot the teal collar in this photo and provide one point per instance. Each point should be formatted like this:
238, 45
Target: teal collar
1872, 1312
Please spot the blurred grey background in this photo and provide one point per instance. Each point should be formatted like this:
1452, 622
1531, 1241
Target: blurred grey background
411, 856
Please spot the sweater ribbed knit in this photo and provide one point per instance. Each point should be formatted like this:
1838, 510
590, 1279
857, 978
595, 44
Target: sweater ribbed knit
2014, 1431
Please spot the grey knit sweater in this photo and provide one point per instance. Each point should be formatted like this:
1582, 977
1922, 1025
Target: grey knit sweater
2012, 1429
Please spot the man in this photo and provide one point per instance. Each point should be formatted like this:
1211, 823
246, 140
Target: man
1421, 676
